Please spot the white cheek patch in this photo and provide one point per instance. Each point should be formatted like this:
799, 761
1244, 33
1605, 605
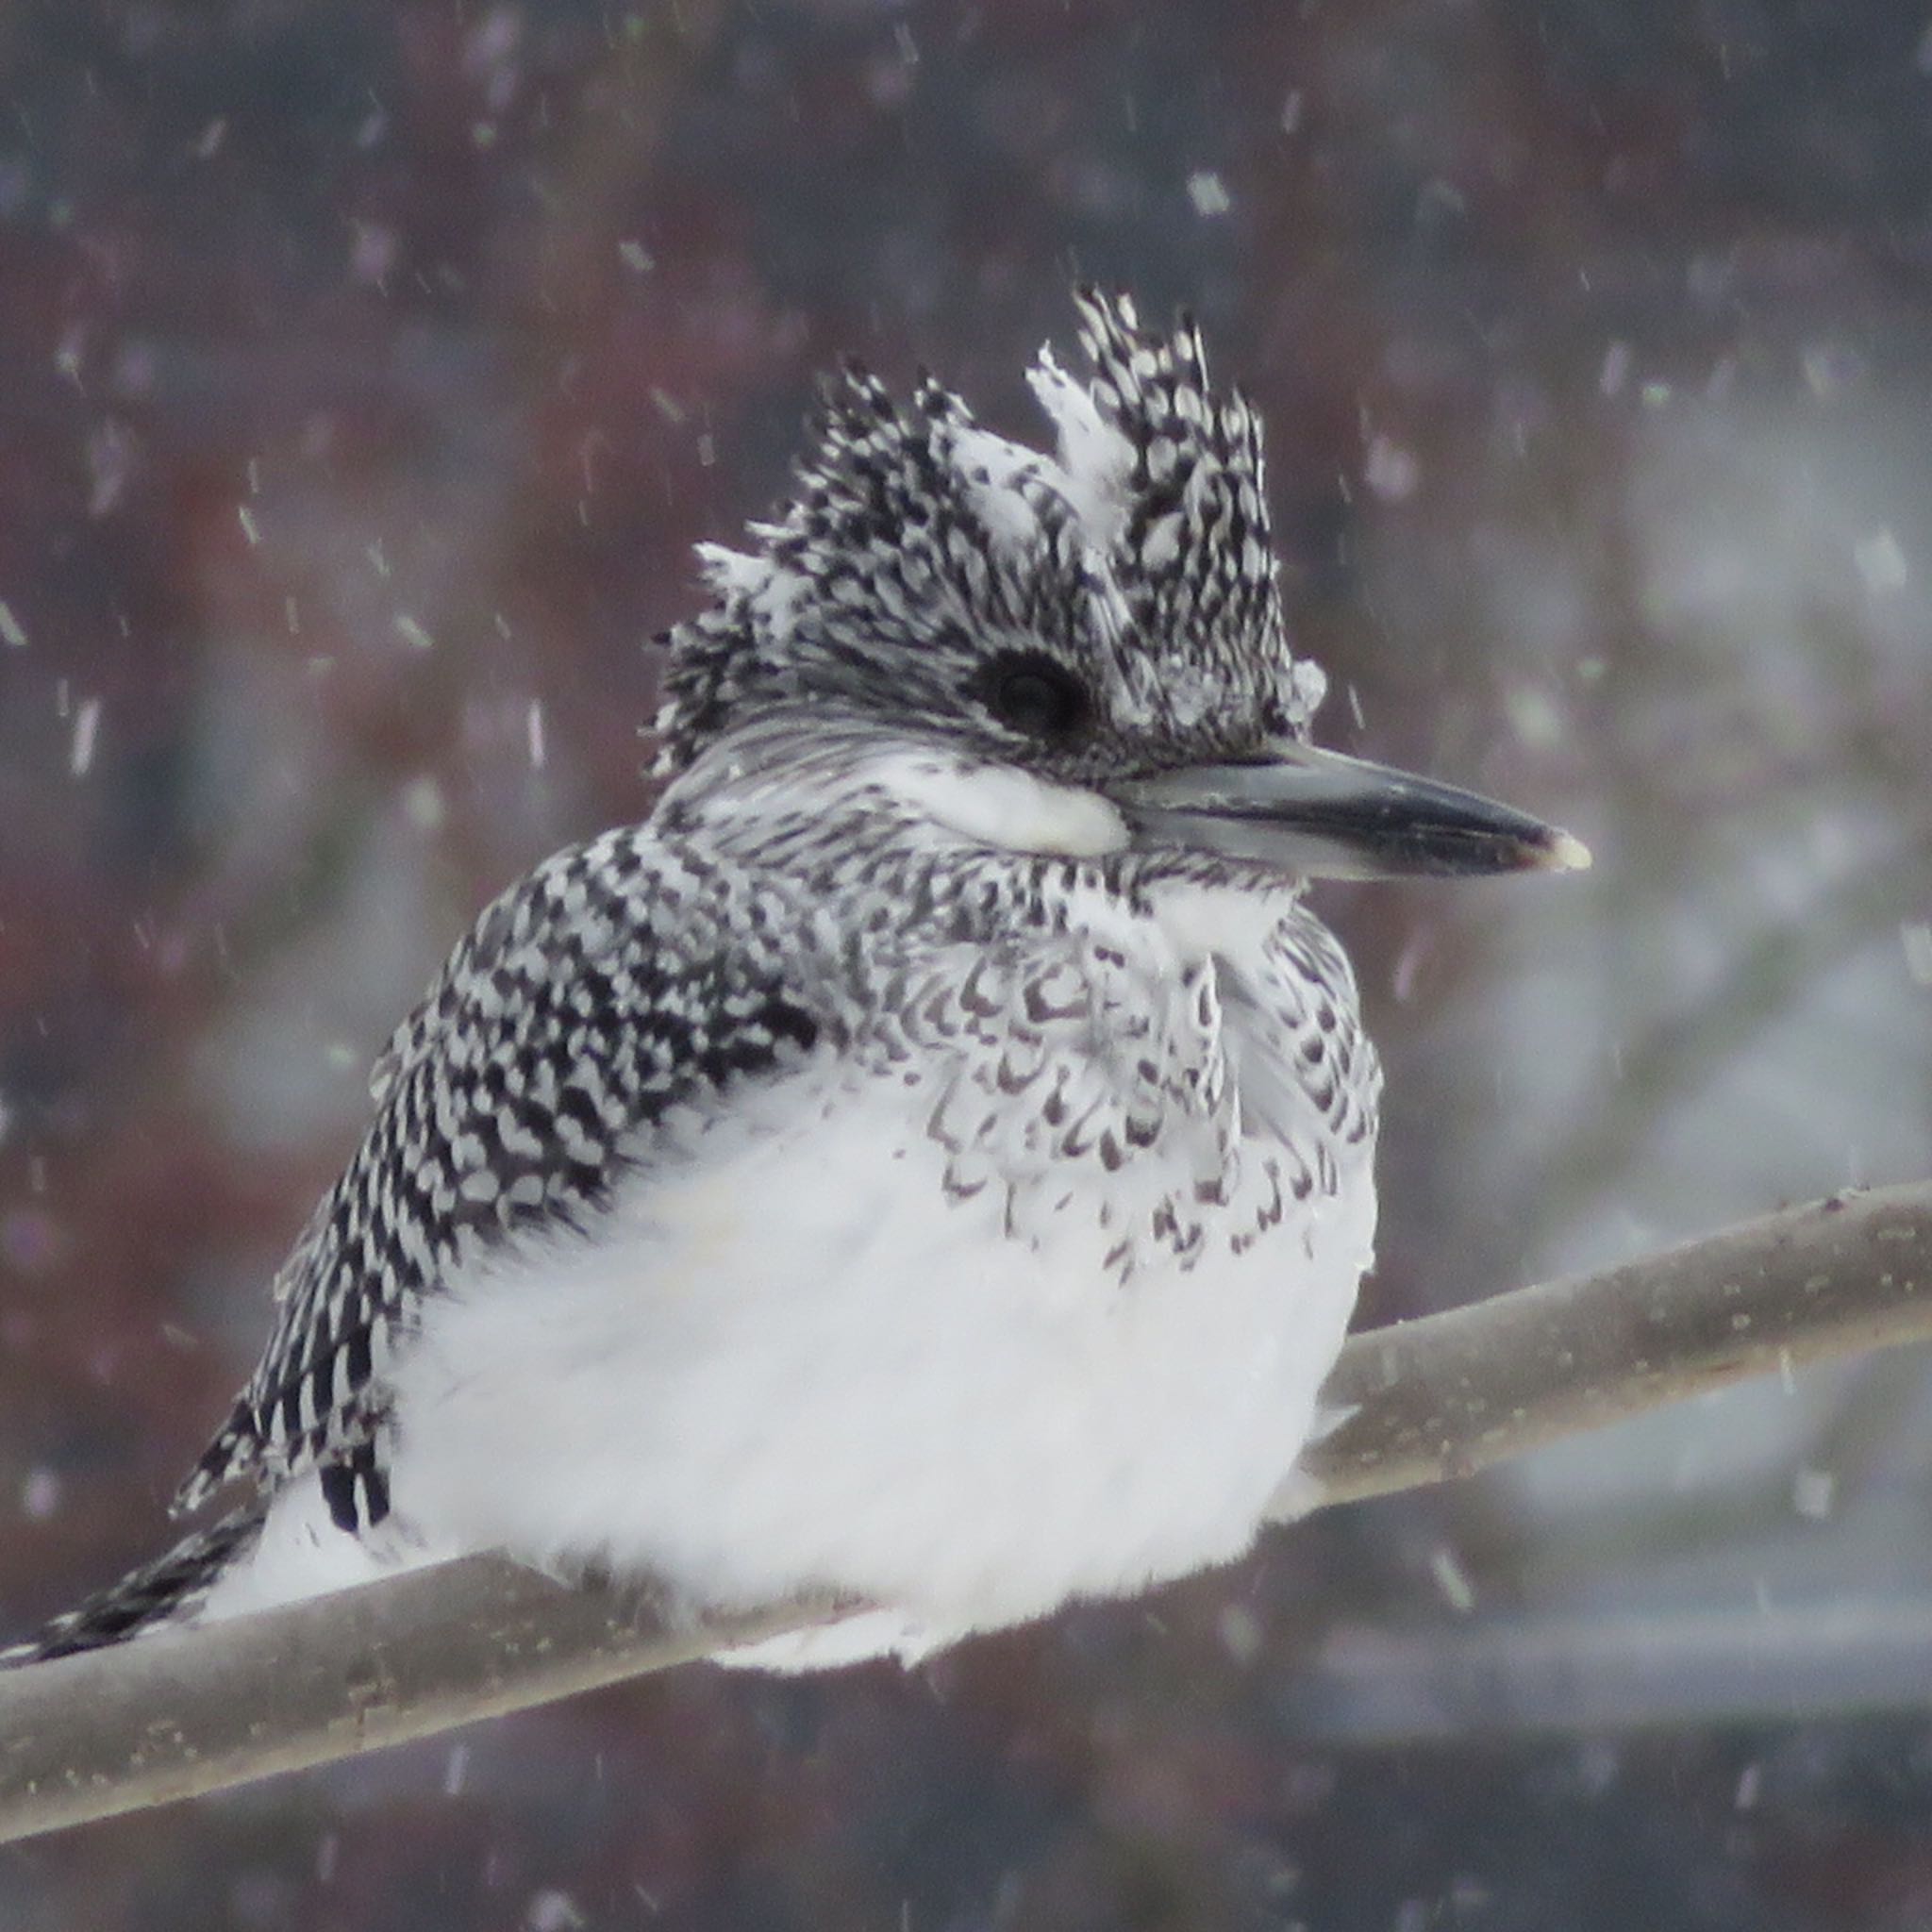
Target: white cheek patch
999, 806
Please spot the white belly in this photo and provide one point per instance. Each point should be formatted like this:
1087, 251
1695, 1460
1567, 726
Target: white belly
792, 1365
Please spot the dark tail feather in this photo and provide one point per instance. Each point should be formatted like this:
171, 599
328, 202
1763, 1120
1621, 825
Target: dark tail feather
168, 1590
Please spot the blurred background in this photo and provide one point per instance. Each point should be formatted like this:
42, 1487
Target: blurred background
370, 367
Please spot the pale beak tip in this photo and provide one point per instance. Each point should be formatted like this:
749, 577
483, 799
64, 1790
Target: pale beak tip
1566, 853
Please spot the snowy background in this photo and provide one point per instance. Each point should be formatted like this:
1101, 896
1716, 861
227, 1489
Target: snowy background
367, 368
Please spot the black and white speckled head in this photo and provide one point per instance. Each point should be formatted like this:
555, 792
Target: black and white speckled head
1105, 609
1088, 647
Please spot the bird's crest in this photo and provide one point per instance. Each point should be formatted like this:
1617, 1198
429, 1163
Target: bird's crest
1144, 534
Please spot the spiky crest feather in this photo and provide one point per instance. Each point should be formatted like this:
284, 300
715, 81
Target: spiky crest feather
1144, 534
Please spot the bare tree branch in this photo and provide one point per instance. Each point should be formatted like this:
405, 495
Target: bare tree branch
184, 1712
196, 1712
1450, 1394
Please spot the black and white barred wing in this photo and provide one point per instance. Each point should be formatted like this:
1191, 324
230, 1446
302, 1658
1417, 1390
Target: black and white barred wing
613, 983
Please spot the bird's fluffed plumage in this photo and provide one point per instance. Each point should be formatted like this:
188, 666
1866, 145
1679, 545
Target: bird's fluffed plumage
877, 1170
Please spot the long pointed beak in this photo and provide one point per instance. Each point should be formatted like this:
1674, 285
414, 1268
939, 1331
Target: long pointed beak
1328, 816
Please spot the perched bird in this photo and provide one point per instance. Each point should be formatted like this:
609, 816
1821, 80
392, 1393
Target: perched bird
930, 1157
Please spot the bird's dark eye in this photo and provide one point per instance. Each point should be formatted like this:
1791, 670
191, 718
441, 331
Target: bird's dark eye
1030, 693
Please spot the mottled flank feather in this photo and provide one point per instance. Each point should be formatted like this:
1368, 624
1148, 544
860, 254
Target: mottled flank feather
589, 998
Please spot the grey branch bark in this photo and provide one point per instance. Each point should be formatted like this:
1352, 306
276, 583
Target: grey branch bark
1450, 1394
196, 1711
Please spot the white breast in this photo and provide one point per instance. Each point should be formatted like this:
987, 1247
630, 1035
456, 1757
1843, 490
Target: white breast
802, 1369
